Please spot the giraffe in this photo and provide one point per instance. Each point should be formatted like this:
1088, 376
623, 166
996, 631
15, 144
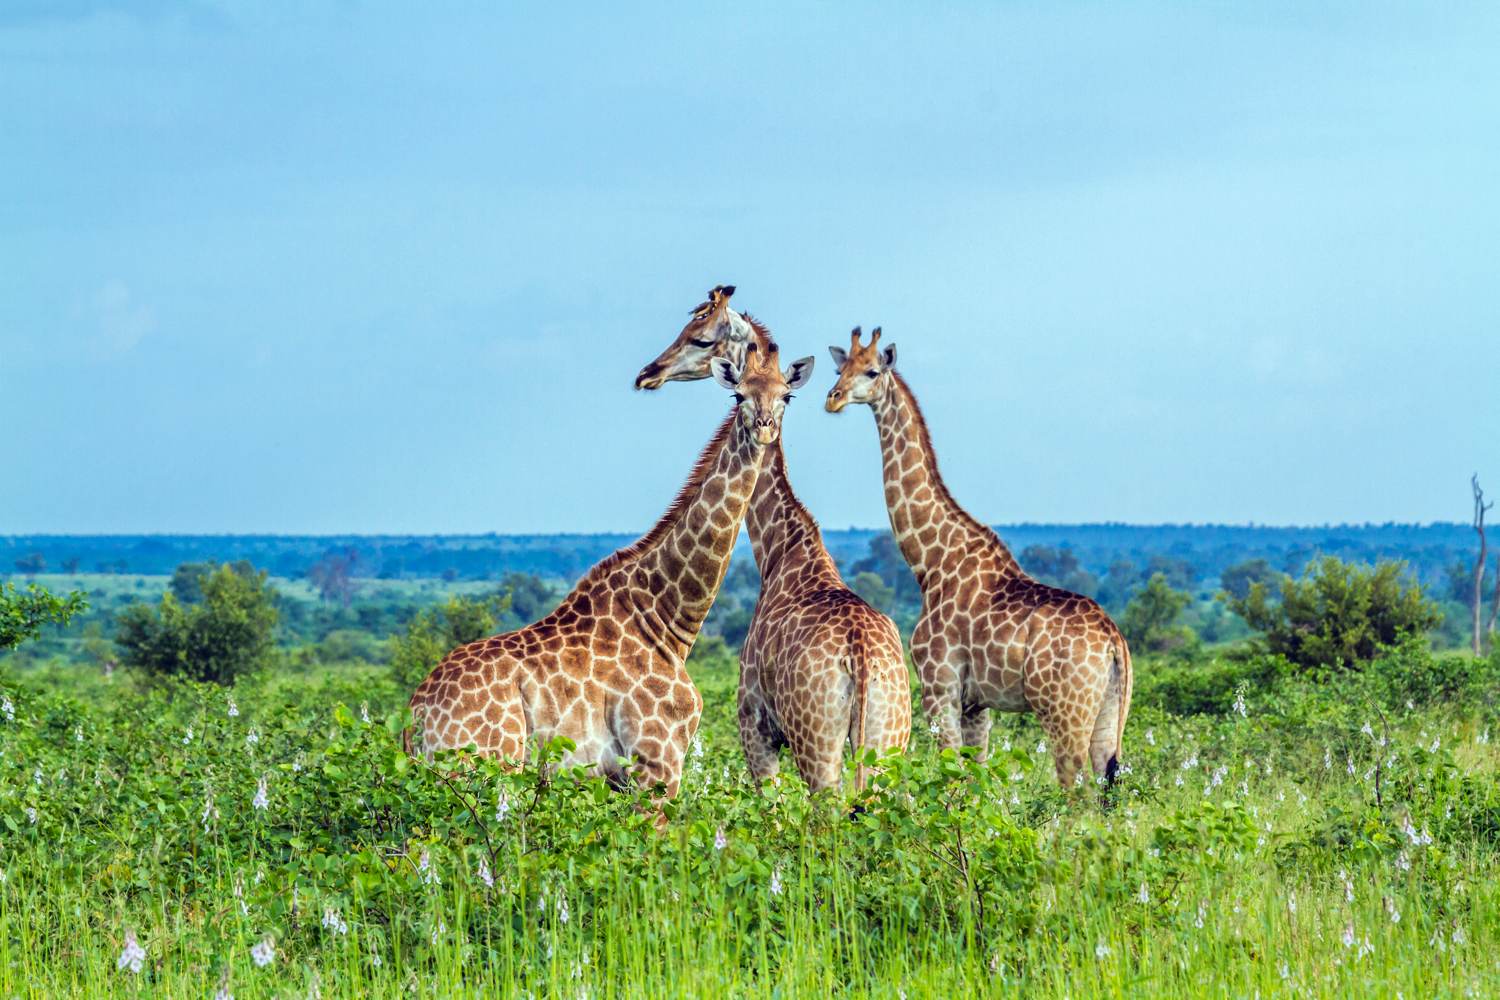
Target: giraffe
989, 636
819, 668
606, 668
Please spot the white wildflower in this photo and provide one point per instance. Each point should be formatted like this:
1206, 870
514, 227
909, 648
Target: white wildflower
188, 736
1390, 907
1041, 746
364, 712
210, 811
485, 875
562, 908
1482, 738
1291, 903
1150, 737
1239, 704
1178, 782
1349, 936
77, 734
1143, 896
263, 953
1191, 762
1284, 971
1403, 862
1436, 742
234, 710
1102, 951
334, 921
502, 806
8, 709
262, 800
133, 956
252, 737
31, 815
1327, 759
1459, 937
36, 777
1365, 948
1367, 730
223, 993
933, 728
426, 870
720, 841
1202, 912
776, 888
697, 750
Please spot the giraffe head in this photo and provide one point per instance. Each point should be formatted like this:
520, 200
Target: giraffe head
863, 371
761, 389
715, 330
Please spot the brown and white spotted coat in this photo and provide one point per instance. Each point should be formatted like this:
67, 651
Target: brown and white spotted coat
606, 668
820, 668
989, 636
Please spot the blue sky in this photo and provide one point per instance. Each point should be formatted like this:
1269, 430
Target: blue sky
363, 269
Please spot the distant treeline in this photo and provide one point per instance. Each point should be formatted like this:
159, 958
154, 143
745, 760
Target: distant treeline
1200, 551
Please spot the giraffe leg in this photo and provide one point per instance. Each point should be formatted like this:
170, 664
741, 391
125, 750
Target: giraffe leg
819, 755
759, 737
1068, 734
975, 725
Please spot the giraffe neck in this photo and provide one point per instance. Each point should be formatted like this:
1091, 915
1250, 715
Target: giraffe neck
674, 571
926, 521
783, 535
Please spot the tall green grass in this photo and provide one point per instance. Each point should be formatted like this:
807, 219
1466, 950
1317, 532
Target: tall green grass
1239, 857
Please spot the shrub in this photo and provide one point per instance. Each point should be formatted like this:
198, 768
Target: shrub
23, 613
1339, 614
433, 633
1148, 622
226, 633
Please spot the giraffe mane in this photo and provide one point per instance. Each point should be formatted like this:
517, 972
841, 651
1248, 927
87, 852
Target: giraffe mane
680, 502
940, 487
761, 330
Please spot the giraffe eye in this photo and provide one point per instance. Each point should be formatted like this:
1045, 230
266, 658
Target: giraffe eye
788, 398
738, 398
701, 343
872, 373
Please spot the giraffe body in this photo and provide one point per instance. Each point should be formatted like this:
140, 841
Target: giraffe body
820, 669
989, 636
606, 668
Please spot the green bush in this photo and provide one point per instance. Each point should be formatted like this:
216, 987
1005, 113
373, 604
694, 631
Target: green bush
24, 613
1150, 619
226, 633
1338, 615
435, 632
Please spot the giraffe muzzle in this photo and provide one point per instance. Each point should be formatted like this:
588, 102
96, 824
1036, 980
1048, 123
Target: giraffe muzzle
835, 401
650, 377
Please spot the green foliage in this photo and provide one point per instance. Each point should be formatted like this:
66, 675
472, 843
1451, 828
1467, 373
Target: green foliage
874, 591
187, 580
1058, 566
1338, 615
226, 633
24, 613
1148, 622
531, 597
1237, 579
134, 809
435, 632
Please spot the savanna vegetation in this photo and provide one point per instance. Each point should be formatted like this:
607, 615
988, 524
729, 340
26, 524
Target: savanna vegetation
202, 793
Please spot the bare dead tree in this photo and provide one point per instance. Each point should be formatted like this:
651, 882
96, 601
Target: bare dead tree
1477, 601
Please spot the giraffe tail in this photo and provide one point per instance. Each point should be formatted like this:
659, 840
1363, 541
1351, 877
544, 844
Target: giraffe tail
1123, 682
859, 668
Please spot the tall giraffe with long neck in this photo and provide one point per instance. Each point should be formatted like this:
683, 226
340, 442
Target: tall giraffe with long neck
606, 669
989, 637
820, 668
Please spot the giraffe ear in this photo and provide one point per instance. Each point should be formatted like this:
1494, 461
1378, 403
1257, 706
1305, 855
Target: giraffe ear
725, 373
888, 357
799, 372
739, 329
839, 356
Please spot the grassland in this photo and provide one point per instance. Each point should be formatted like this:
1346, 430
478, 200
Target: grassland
1337, 837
